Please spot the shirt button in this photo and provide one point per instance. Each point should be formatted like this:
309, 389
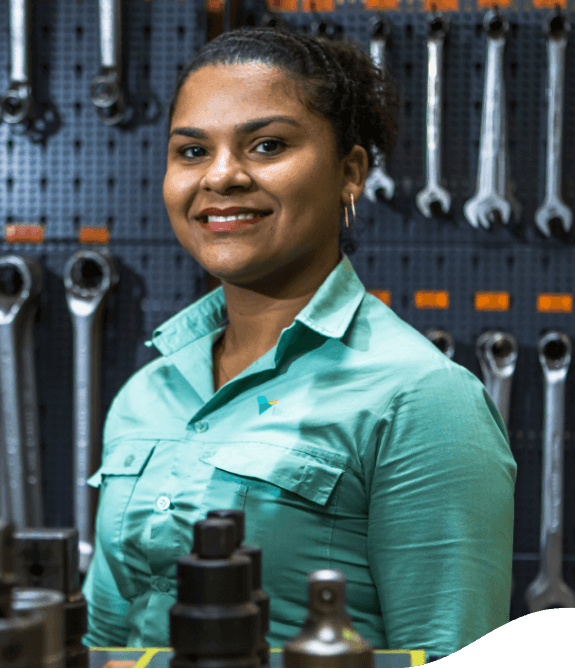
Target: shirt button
163, 503
164, 585
128, 461
201, 426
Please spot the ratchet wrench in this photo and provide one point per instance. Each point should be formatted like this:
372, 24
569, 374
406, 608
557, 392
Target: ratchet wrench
443, 340
88, 277
556, 27
106, 89
20, 287
548, 589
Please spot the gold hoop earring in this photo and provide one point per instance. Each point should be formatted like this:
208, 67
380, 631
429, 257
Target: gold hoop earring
353, 209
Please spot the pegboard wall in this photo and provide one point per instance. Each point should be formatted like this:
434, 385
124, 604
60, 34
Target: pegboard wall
84, 173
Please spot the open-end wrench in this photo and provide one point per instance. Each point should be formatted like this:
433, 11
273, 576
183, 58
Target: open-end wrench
88, 277
443, 340
16, 105
106, 88
434, 193
503, 185
487, 205
20, 286
556, 27
548, 589
377, 179
497, 353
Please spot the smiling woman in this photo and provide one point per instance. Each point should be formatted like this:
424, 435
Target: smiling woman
289, 392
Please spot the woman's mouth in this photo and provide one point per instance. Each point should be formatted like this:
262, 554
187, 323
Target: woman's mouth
233, 222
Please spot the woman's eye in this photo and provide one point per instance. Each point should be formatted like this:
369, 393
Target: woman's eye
183, 151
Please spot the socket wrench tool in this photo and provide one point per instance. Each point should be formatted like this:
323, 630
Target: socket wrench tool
106, 88
20, 286
88, 277
377, 179
434, 193
443, 340
488, 204
556, 28
548, 589
16, 104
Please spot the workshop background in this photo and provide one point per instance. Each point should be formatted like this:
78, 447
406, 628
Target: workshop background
75, 176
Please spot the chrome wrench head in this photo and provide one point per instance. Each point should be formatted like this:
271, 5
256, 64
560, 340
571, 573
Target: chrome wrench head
554, 351
26, 284
442, 340
501, 354
86, 277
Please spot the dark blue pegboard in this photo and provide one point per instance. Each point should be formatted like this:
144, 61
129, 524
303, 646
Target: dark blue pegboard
89, 174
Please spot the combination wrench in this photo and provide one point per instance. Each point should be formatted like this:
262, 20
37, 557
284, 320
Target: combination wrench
17, 104
556, 28
20, 286
378, 179
548, 589
88, 277
106, 88
497, 353
488, 204
434, 194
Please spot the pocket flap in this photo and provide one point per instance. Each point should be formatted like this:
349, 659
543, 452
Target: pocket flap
298, 472
127, 457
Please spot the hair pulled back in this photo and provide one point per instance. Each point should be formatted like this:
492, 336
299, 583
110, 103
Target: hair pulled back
334, 78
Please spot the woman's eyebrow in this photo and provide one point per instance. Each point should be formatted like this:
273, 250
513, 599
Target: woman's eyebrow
245, 128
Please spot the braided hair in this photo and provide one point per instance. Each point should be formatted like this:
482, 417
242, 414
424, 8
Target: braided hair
337, 78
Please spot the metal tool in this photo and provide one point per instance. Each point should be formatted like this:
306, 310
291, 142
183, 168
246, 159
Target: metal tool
443, 340
377, 179
556, 26
106, 89
503, 185
20, 286
548, 589
88, 277
497, 353
488, 204
434, 193
17, 104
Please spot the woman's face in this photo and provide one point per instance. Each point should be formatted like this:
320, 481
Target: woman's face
289, 169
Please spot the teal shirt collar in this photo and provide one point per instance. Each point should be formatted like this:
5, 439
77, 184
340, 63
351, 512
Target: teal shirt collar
329, 312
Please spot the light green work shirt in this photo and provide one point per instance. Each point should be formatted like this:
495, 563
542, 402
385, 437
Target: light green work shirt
354, 444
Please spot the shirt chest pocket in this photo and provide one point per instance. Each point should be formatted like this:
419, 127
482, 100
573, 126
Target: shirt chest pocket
289, 497
122, 465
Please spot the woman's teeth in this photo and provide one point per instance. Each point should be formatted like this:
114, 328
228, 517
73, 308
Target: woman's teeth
235, 217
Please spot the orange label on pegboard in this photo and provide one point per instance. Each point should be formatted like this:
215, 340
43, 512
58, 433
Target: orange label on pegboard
489, 4
492, 301
24, 233
555, 303
94, 236
383, 295
381, 4
317, 5
431, 299
215, 5
441, 5
282, 5
542, 4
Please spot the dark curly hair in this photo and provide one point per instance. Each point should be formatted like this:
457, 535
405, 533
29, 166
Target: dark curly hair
337, 78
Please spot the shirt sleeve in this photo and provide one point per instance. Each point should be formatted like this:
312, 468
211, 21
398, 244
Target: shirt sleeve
107, 610
441, 480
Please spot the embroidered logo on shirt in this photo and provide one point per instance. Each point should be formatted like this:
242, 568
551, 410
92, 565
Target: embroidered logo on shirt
264, 404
